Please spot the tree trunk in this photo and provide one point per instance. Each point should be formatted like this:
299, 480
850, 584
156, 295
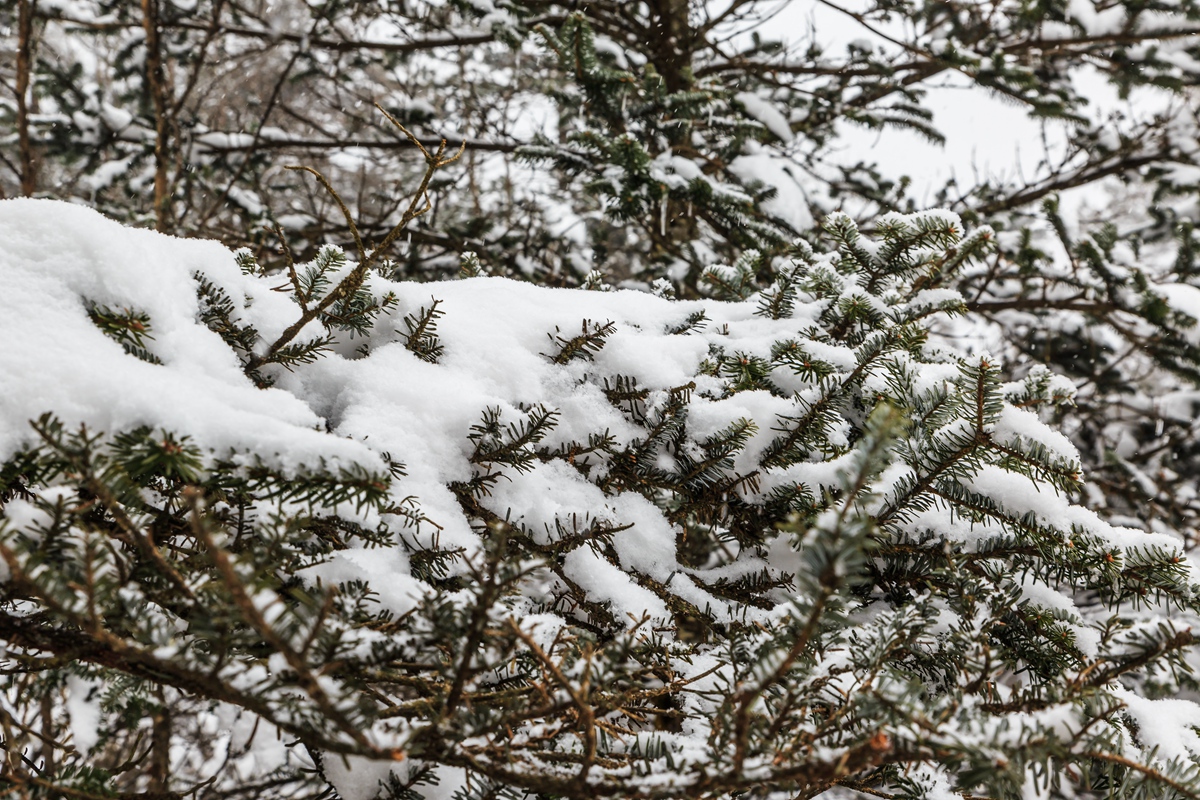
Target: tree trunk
156, 83
49, 763
672, 34
24, 72
160, 747
674, 40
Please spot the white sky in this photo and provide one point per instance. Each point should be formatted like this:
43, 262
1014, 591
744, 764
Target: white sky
985, 136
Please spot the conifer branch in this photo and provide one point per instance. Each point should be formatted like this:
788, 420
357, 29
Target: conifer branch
586, 714
253, 616
352, 282
1155, 775
341, 204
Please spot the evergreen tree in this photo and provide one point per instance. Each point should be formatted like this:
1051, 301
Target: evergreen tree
690, 123
851, 500
780, 544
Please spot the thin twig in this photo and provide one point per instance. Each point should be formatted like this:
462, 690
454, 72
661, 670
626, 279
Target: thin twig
350, 284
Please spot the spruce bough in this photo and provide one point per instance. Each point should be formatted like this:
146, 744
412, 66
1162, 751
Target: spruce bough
843, 552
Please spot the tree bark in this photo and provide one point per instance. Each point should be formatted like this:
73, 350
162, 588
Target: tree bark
674, 44
156, 83
49, 763
160, 746
672, 34
24, 73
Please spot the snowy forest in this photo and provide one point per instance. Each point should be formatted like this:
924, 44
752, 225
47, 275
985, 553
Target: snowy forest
663, 399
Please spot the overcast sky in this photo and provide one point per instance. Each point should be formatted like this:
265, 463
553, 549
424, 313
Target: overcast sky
985, 136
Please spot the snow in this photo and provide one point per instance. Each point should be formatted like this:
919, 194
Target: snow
373, 396
608, 583
225, 141
117, 119
618, 53
385, 569
55, 257
83, 707
790, 204
766, 113
106, 173
58, 257
1086, 639
1019, 424
356, 778
1167, 725
1185, 298
709, 417
1097, 22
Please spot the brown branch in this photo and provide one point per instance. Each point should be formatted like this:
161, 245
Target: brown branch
254, 141
245, 604
586, 714
213, 28
341, 204
135, 535
833, 71
291, 267
1104, 40
746, 697
160, 744
61, 790
1149, 772
104, 649
372, 144
1037, 304
351, 283
1080, 177
433, 162
479, 618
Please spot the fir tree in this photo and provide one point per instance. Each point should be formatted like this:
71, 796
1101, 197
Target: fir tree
922, 501
843, 555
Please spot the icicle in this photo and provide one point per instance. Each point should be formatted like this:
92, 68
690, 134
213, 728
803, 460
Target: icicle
662, 216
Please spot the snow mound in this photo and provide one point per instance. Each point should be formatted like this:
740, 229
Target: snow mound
57, 260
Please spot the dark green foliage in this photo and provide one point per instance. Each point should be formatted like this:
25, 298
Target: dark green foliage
511, 445
420, 334
744, 371
218, 313
127, 327
620, 126
877, 587
843, 555
696, 321
355, 312
590, 341
470, 266
737, 282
